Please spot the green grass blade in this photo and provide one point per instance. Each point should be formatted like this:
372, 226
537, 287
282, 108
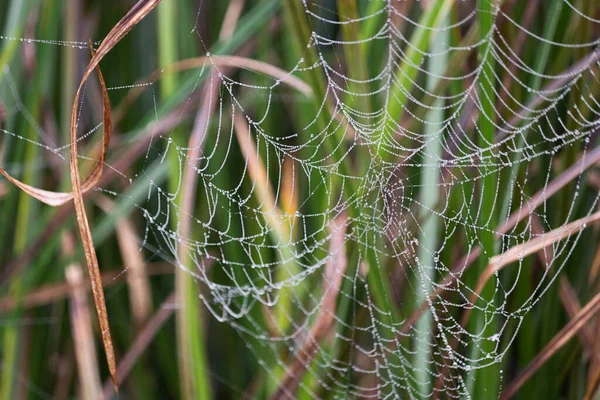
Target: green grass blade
193, 359
429, 196
404, 77
486, 381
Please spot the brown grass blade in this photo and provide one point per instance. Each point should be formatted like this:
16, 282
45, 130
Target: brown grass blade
592, 158
232, 15
594, 367
593, 275
141, 343
540, 242
83, 336
289, 187
229, 62
121, 163
137, 279
593, 385
537, 244
522, 250
57, 291
332, 282
557, 342
262, 187
568, 297
566, 76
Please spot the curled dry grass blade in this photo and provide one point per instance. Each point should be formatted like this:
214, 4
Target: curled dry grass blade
559, 340
324, 321
132, 18
120, 163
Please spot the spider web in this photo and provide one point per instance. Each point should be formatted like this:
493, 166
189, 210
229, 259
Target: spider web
320, 245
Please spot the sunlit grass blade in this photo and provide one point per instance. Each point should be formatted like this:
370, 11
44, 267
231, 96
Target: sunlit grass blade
193, 360
429, 197
404, 78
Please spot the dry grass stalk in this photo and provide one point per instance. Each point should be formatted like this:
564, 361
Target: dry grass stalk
232, 15
83, 336
517, 253
255, 167
228, 62
568, 297
522, 250
137, 279
50, 293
